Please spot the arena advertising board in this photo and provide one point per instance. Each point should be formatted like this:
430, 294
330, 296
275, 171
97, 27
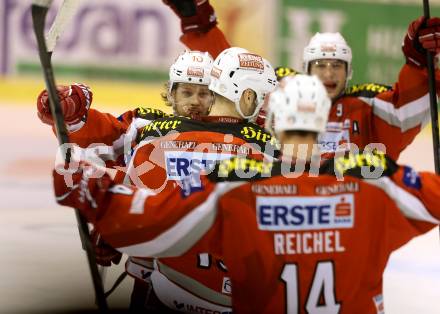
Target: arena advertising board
374, 30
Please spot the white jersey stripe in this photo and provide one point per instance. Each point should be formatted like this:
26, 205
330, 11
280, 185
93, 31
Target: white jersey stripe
406, 117
410, 206
184, 234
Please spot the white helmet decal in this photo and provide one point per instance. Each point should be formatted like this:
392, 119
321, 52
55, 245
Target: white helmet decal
327, 46
235, 70
191, 67
299, 103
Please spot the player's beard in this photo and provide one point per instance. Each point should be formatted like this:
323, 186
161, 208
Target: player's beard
193, 112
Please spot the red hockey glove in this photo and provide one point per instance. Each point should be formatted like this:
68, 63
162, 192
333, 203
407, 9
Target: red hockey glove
195, 15
422, 34
84, 189
105, 254
75, 102
261, 117
429, 36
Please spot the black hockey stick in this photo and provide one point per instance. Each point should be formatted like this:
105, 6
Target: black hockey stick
39, 11
432, 98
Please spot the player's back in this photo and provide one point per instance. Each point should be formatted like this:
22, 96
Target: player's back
309, 244
175, 148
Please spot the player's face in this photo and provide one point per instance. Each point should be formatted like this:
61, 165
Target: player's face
192, 100
332, 73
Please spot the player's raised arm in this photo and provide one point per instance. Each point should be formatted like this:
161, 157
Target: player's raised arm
199, 26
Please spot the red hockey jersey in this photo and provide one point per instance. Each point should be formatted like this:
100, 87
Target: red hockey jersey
365, 113
113, 137
177, 148
290, 244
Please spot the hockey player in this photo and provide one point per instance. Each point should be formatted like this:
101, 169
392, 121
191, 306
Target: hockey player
294, 244
175, 148
361, 114
187, 93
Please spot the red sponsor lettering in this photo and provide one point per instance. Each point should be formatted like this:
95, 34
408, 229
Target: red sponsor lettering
251, 61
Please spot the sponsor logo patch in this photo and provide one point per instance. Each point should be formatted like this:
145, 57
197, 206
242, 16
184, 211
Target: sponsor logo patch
251, 61
195, 71
336, 134
216, 72
326, 47
181, 164
305, 213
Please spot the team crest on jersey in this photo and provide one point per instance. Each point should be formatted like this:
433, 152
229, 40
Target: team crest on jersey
251, 61
305, 213
180, 164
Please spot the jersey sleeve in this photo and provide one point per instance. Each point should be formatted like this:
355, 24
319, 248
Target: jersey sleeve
138, 222
415, 194
110, 136
213, 41
400, 113
100, 128
425, 187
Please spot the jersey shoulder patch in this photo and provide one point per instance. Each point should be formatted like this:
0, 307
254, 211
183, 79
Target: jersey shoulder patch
368, 90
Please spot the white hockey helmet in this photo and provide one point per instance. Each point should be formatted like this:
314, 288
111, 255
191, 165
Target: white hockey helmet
191, 67
235, 70
300, 103
328, 46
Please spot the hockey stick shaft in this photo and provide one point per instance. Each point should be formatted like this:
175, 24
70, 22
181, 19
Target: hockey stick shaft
64, 15
432, 98
39, 11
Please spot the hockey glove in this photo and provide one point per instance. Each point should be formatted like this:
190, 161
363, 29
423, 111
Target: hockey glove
105, 254
75, 101
84, 189
195, 15
423, 34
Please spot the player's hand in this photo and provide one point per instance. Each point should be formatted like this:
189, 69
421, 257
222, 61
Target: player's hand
105, 254
261, 117
423, 34
75, 101
195, 15
82, 186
